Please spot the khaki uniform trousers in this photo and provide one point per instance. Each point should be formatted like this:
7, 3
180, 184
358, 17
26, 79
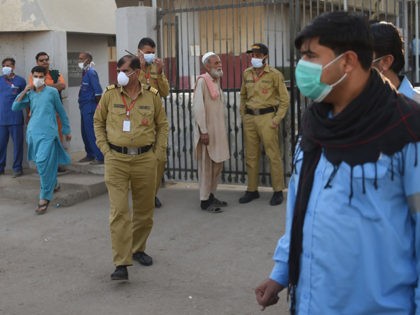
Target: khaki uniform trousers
208, 173
257, 129
160, 169
129, 231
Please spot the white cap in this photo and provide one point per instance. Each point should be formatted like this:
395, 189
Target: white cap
207, 55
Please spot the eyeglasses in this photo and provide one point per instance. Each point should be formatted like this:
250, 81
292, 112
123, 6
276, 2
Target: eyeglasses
43, 60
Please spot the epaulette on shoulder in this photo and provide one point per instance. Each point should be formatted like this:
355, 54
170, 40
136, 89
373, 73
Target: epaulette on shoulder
111, 87
153, 90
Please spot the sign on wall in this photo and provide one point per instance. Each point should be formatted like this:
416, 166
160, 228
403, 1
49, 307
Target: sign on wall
74, 72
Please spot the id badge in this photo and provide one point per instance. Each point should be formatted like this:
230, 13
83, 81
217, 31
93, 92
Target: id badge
126, 126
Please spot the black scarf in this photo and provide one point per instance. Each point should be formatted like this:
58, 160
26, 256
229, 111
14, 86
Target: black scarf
378, 121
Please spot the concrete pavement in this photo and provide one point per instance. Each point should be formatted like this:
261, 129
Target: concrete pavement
59, 263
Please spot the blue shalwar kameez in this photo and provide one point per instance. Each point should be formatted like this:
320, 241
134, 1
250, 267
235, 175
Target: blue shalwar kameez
90, 88
11, 123
44, 146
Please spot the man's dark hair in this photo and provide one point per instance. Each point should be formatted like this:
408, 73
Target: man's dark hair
88, 55
39, 69
341, 31
42, 53
387, 40
146, 41
134, 62
13, 61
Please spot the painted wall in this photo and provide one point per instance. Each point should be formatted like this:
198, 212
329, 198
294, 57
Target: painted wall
132, 24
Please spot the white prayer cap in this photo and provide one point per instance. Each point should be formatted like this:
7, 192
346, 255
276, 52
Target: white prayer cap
207, 55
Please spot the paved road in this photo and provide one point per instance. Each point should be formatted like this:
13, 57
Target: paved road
59, 263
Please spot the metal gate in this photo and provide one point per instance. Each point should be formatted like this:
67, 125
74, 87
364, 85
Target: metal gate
189, 28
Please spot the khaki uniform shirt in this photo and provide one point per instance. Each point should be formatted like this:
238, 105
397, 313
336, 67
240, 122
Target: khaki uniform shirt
267, 90
209, 117
148, 123
152, 78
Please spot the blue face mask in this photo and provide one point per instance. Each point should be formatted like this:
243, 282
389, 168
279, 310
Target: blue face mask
149, 58
308, 79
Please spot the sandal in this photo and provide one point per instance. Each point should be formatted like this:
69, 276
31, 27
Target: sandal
42, 208
57, 187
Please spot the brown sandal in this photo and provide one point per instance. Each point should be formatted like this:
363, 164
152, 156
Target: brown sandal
42, 208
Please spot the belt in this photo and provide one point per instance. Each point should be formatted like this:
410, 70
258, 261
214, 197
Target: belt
260, 111
130, 150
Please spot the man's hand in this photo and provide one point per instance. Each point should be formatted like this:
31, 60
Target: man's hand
274, 124
159, 65
28, 88
68, 137
204, 138
267, 293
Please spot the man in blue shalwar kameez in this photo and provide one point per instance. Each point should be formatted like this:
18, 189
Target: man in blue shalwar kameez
44, 146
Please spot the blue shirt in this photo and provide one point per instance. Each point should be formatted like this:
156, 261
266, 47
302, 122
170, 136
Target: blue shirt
359, 255
408, 90
90, 87
9, 89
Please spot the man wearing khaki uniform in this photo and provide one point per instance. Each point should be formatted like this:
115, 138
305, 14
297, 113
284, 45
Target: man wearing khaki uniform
264, 103
210, 137
131, 130
152, 74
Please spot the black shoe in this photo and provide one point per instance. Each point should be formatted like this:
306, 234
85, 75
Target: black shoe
158, 204
249, 196
277, 198
17, 174
143, 258
61, 169
86, 159
96, 162
217, 202
120, 273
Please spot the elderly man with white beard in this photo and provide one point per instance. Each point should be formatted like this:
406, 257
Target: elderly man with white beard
210, 138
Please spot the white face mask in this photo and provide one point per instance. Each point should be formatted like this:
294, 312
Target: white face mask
81, 65
38, 82
149, 58
7, 70
123, 78
257, 62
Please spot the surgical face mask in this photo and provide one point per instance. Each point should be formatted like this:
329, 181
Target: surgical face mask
81, 65
308, 79
216, 73
123, 78
257, 62
38, 82
149, 58
7, 70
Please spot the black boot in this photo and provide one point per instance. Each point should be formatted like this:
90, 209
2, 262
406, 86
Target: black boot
277, 198
249, 196
158, 204
120, 273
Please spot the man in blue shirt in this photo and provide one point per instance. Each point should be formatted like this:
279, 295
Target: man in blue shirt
388, 57
89, 96
352, 239
11, 123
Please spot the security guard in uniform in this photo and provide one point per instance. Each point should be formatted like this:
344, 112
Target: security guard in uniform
131, 131
264, 103
152, 75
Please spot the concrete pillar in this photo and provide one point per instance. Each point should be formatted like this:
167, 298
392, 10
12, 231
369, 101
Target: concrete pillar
132, 24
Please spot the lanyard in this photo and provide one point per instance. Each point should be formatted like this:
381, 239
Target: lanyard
128, 109
147, 76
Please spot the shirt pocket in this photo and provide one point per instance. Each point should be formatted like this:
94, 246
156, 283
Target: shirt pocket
145, 116
118, 114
